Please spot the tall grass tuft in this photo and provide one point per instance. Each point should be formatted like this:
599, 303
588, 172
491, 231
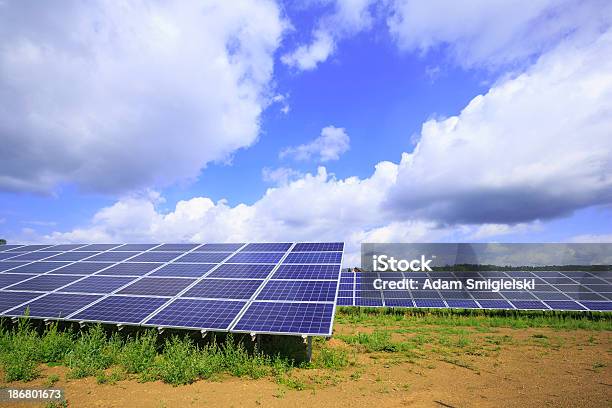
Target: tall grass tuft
20, 358
138, 353
92, 352
55, 345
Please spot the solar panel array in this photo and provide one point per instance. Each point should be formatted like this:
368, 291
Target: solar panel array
554, 290
275, 288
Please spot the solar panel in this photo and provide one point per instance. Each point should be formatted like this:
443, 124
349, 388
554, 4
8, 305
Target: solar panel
8, 247
72, 256
112, 256
223, 289
7, 255
54, 305
34, 256
156, 257
134, 247
98, 284
312, 291
314, 257
6, 265
39, 267
11, 278
28, 248
307, 272
267, 247
81, 268
318, 246
9, 300
242, 271
44, 283
130, 269
204, 257
120, 309
98, 247
256, 257
176, 247
157, 286
186, 270
198, 314
287, 318
219, 248
207, 287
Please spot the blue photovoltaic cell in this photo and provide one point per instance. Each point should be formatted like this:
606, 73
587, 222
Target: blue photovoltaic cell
518, 295
98, 284
34, 256
72, 256
429, 303
39, 267
256, 257
28, 248
130, 269
196, 313
45, 283
204, 257
563, 305
368, 302
345, 293
121, 309
112, 256
7, 255
603, 306
98, 247
528, 304
176, 247
580, 296
494, 304
399, 303
9, 300
9, 247
313, 291
223, 289
267, 247
55, 305
291, 318
307, 272
486, 295
550, 296
157, 286
156, 257
6, 265
219, 248
345, 301
396, 294
242, 271
135, 247
184, 270
318, 246
10, 278
65, 247
314, 257
462, 303
81, 268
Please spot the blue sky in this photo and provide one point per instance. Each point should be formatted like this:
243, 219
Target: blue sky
398, 120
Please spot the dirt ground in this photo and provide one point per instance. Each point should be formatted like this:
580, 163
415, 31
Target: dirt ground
489, 368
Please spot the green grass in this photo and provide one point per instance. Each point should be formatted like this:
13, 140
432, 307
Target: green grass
380, 340
139, 352
20, 353
333, 358
475, 318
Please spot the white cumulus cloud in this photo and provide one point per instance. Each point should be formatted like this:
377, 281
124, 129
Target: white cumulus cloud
330, 145
115, 96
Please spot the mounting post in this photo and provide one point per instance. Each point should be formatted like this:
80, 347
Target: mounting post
119, 327
308, 343
160, 330
203, 332
82, 324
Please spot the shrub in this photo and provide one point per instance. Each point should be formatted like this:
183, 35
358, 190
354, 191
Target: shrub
20, 358
179, 362
55, 345
138, 354
92, 353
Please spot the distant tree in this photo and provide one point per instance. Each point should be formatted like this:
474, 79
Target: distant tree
2, 241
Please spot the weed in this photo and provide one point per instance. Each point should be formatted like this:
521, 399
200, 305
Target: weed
138, 353
179, 362
332, 358
20, 358
51, 380
55, 345
92, 352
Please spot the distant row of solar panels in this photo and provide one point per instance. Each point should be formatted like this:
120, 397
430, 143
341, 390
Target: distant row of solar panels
277, 288
554, 290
